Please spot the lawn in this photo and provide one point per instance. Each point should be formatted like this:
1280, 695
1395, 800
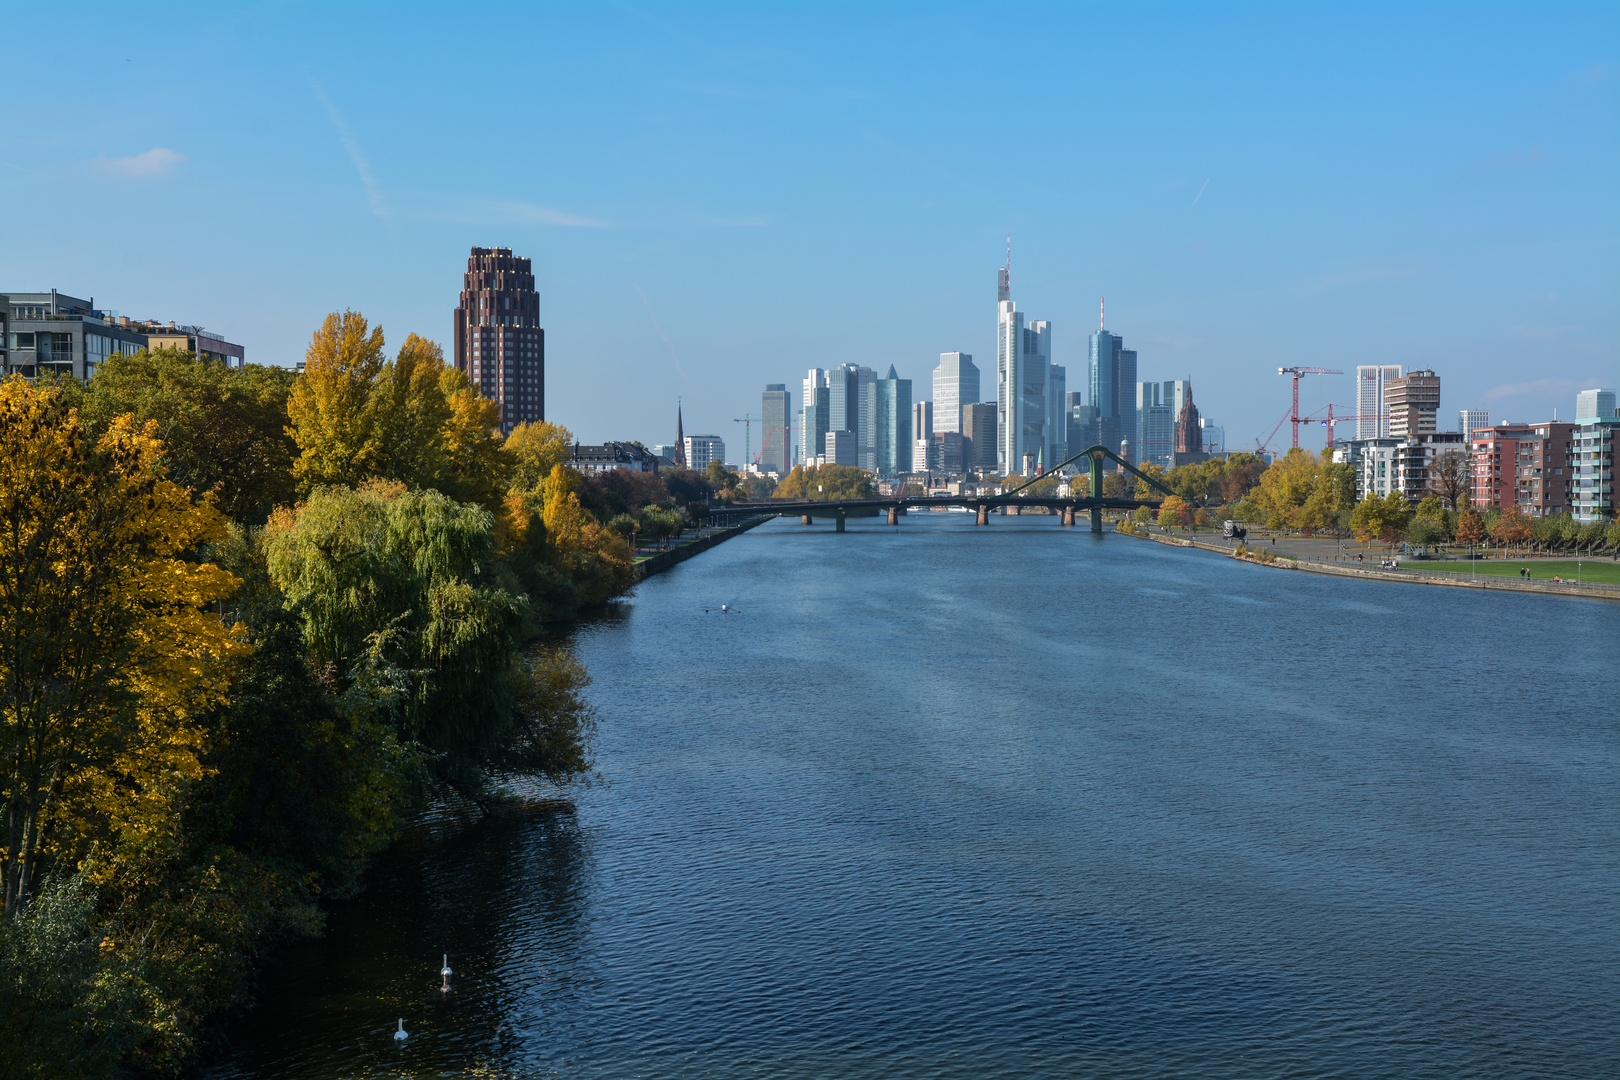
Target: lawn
1603, 570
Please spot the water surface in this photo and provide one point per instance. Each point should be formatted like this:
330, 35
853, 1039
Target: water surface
1020, 801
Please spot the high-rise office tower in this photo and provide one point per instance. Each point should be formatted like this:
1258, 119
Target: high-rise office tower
498, 340
1413, 403
1081, 422
1112, 388
1213, 435
1155, 424
956, 383
1057, 417
979, 434
1371, 380
1471, 420
1023, 355
814, 421
1593, 405
922, 435
775, 438
851, 408
892, 429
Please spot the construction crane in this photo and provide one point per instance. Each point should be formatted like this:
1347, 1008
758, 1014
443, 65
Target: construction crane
1332, 420
748, 446
1296, 372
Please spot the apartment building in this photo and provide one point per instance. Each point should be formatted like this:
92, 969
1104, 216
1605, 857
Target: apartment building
1531, 465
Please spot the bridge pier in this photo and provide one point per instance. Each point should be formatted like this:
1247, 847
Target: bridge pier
894, 515
805, 520
1096, 519
984, 515
840, 524
1068, 517
1015, 511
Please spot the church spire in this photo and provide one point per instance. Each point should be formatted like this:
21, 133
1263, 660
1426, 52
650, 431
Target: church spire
680, 437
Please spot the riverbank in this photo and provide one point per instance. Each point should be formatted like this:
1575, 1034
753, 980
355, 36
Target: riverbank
1425, 576
660, 561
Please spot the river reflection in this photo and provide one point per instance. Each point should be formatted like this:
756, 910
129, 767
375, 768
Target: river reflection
1019, 801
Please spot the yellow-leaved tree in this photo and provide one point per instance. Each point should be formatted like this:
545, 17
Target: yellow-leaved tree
109, 653
332, 423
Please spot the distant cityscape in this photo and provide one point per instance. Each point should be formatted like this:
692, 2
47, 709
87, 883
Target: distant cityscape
851, 416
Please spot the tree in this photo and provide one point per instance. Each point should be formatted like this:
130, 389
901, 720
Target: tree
1451, 478
827, 483
223, 430
1470, 529
107, 650
1510, 526
1170, 511
328, 411
1286, 487
536, 449
1426, 531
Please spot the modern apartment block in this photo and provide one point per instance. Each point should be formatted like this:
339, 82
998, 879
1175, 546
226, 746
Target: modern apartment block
1386, 465
815, 415
1471, 420
1592, 481
498, 340
703, 449
1371, 380
979, 436
956, 383
893, 415
1528, 464
52, 332
1594, 405
1413, 403
775, 423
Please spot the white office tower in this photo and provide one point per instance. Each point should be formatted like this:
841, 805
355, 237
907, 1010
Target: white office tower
1471, 420
1023, 354
702, 449
1594, 405
1371, 379
956, 383
814, 415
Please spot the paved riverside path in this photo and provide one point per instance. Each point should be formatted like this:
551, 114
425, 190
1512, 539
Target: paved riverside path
1329, 556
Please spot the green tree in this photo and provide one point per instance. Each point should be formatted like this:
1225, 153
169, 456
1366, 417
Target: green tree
827, 483
223, 430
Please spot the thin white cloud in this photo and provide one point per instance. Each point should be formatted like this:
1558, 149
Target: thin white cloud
373, 193
476, 210
1540, 386
1200, 194
153, 162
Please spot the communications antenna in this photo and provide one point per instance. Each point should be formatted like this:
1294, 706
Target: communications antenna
1101, 301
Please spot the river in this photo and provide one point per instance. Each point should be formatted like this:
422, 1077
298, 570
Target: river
1021, 801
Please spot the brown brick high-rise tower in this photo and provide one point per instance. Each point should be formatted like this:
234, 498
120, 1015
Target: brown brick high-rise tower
498, 339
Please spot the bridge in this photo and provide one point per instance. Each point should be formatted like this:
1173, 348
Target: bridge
1012, 501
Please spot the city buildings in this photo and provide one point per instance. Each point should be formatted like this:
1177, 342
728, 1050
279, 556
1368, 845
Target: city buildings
815, 415
1214, 436
775, 439
1412, 402
1592, 470
922, 436
680, 437
892, 413
613, 455
1154, 436
1189, 432
52, 332
1404, 465
1023, 359
498, 341
1112, 378
1471, 420
839, 448
979, 443
703, 449
956, 383
1531, 465
852, 407
1594, 405
949, 453
1371, 379
1057, 417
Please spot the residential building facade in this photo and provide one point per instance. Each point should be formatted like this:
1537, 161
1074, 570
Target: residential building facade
1592, 481
1413, 403
497, 339
610, 456
1471, 420
1531, 465
54, 333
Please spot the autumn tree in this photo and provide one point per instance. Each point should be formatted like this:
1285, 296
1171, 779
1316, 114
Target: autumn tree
329, 412
1170, 511
107, 650
536, 449
1470, 527
223, 429
1510, 526
827, 483
1451, 478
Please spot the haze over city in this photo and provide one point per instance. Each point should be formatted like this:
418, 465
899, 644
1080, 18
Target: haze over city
715, 198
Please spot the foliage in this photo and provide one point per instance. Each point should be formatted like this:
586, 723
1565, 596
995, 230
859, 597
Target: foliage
536, 449
1470, 528
1511, 526
686, 486
1451, 477
621, 491
1380, 519
1172, 511
827, 483
223, 429
107, 651
1426, 531
1143, 490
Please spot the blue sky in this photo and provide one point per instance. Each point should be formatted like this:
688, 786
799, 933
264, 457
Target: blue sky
721, 196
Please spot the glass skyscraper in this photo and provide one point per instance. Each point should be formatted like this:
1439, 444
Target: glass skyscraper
956, 383
814, 419
892, 427
1113, 388
775, 445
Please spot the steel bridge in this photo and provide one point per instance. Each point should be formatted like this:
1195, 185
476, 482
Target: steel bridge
1011, 502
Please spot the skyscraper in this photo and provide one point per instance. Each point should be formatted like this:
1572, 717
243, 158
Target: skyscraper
1371, 380
814, 421
1413, 403
1594, 405
1023, 355
1154, 437
1113, 388
956, 383
922, 435
851, 408
892, 424
775, 438
979, 433
1057, 418
498, 340
1471, 420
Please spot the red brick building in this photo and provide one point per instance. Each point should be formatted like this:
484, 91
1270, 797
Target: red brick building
499, 342
1527, 464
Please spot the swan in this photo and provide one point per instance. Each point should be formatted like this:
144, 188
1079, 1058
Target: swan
400, 1034
444, 972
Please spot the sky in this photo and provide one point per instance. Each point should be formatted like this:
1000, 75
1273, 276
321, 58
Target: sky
717, 197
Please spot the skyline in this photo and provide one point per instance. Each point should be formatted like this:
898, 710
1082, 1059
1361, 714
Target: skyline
717, 199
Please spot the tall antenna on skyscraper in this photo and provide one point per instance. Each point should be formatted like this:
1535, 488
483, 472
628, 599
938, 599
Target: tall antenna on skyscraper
1101, 300
1009, 260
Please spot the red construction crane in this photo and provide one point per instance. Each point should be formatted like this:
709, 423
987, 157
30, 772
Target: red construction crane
1296, 372
1332, 420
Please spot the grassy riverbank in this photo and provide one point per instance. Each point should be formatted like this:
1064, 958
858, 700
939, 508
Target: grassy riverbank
1600, 571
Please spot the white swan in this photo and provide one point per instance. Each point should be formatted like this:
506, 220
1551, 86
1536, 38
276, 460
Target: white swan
445, 971
400, 1034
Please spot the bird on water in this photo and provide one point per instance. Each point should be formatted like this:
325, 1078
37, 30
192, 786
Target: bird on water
444, 972
400, 1035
